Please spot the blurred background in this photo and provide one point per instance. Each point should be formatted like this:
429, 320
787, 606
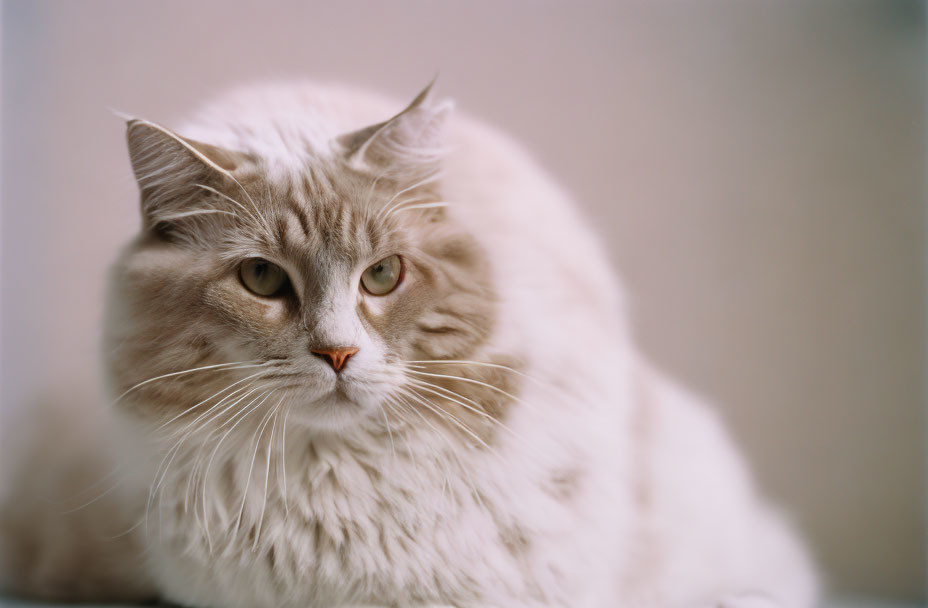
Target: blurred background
757, 170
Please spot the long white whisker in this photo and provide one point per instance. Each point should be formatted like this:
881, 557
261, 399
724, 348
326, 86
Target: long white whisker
240, 412
389, 432
243, 413
251, 387
96, 498
254, 456
216, 394
470, 380
267, 226
452, 451
189, 429
422, 206
452, 418
542, 383
248, 212
386, 211
267, 476
217, 366
92, 486
431, 178
436, 455
198, 461
370, 190
129, 531
283, 457
176, 449
396, 409
183, 214
451, 395
468, 362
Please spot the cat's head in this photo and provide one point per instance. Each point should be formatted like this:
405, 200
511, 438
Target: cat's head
319, 284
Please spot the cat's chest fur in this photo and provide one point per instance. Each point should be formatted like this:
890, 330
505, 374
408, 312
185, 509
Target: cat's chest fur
387, 522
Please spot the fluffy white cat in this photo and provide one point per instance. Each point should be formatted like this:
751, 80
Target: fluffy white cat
389, 365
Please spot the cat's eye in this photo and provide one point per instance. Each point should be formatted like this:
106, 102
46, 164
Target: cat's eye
262, 277
384, 276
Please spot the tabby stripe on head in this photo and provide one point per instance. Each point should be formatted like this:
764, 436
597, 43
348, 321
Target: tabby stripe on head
300, 214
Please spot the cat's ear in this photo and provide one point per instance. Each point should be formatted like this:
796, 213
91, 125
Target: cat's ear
411, 144
172, 171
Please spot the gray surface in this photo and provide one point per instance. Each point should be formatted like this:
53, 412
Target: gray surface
835, 603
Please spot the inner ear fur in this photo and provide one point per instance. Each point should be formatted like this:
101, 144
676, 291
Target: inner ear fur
170, 169
409, 145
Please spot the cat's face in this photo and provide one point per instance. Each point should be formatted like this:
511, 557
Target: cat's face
326, 281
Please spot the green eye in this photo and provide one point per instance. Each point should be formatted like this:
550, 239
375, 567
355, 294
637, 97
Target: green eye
383, 277
262, 277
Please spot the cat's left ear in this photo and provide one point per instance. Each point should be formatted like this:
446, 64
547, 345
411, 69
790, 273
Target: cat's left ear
172, 171
411, 144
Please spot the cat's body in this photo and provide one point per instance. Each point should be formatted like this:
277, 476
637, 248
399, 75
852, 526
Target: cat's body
543, 463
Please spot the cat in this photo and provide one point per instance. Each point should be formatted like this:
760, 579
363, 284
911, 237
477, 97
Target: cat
370, 361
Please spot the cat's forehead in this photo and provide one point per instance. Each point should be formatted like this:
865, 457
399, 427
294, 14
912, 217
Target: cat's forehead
286, 139
321, 214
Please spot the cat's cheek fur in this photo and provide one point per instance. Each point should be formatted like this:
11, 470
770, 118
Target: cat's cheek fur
261, 318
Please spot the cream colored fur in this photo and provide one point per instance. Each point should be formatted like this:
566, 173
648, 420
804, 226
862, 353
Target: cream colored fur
603, 484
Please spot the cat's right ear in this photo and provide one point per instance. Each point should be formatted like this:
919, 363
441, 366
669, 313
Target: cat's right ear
172, 171
410, 145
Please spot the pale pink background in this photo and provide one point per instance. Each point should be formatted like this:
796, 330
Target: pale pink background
756, 169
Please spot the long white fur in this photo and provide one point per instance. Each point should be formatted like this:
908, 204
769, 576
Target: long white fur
706, 537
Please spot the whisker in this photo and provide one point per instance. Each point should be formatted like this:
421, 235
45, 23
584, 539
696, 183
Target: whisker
194, 470
267, 225
216, 394
192, 212
90, 487
463, 469
450, 417
217, 366
447, 482
96, 498
249, 213
254, 205
470, 380
453, 397
250, 387
386, 211
240, 412
246, 412
475, 407
544, 384
389, 432
434, 205
479, 364
254, 456
198, 460
283, 457
176, 449
126, 532
267, 476
449, 394
370, 190
395, 407
431, 178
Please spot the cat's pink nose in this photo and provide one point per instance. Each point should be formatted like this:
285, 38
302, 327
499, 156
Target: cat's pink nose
337, 357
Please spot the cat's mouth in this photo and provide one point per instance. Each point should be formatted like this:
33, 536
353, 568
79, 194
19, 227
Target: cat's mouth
340, 393
309, 396
332, 407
